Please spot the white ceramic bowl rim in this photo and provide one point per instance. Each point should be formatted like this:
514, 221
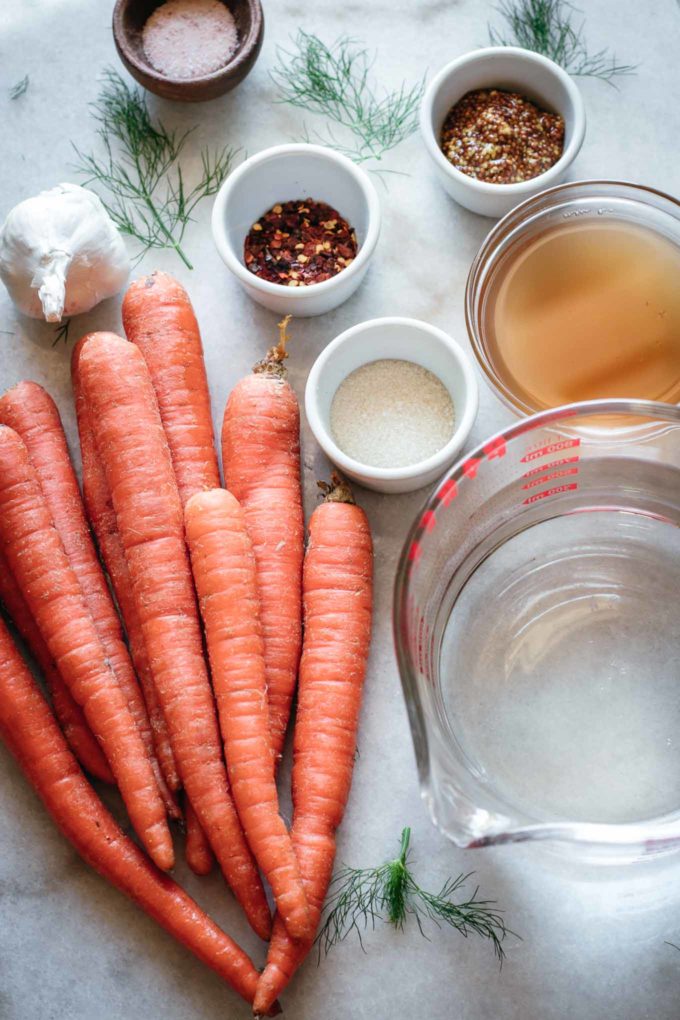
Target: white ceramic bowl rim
487, 187
234, 263
462, 424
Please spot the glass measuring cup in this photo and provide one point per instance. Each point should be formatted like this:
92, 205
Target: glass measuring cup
537, 626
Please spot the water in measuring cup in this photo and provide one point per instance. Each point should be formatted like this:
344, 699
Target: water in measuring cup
560, 669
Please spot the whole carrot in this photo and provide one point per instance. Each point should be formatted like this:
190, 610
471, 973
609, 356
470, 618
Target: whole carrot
102, 518
134, 454
30, 411
158, 317
224, 573
67, 710
337, 592
44, 575
261, 461
30, 732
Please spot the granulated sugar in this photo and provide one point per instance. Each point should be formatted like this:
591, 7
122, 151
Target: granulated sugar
189, 38
391, 413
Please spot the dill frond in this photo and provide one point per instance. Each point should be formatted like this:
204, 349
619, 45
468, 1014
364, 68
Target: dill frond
547, 27
336, 82
61, 332
139, 169
362, 896
20, 87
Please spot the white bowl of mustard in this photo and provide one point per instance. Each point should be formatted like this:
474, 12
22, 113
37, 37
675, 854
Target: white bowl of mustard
392, 339
510, 69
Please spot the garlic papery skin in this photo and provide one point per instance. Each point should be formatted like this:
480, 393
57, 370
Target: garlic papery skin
61, 254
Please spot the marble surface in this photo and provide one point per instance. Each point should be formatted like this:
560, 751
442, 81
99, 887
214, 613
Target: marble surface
593, 942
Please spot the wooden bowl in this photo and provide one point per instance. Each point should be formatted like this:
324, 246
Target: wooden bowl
129, 18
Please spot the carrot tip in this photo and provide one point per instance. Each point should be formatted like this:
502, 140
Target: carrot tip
274, 1010
163, 857
270, 982
261, 924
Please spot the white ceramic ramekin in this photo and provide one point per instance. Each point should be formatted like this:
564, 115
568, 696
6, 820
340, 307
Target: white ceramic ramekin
515, 70
410, 340
285, 173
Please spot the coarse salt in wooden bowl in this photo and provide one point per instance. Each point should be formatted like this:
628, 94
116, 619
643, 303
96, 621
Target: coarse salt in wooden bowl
129, 18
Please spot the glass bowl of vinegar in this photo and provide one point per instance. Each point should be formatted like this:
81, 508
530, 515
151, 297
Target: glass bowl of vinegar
574, 296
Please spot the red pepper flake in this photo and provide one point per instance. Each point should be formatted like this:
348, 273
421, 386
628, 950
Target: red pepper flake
501, 137
299, 243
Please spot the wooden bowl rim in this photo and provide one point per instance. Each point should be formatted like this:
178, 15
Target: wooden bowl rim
241, 55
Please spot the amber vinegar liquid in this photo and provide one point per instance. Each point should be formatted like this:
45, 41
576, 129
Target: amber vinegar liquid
588, 310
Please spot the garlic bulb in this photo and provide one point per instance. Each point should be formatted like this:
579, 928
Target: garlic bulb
60, 253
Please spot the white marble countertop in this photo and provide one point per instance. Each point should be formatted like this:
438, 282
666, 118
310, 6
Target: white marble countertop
593, 943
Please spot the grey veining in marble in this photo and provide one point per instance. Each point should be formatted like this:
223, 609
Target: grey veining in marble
593, 944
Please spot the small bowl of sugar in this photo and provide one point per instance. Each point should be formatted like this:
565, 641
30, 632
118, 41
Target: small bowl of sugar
188, 50
391, 402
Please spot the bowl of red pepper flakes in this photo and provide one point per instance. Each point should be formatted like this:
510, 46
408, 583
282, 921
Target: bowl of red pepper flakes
297, 255
299, 243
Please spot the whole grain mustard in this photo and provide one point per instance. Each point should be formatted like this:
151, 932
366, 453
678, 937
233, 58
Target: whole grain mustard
501, 137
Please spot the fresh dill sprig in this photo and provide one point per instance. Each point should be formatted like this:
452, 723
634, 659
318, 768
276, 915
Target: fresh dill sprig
362, 896
20, 87
547, 27
336, 82
140, 170
61, 332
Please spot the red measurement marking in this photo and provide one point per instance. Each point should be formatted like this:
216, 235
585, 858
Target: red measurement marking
430, 657
421, 638
448, 492
548, 467
564, 444
415, 552
471, 466
428, 520
496, 448
550, 492
550, 477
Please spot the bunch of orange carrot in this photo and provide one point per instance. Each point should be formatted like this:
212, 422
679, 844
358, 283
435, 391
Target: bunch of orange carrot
192, 566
